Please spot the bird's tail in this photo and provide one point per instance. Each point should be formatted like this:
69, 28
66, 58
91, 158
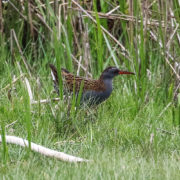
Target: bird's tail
54, 75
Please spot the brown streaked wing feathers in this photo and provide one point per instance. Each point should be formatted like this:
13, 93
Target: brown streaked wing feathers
68, 80
89, 84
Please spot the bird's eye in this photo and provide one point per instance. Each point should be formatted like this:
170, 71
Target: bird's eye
116, 71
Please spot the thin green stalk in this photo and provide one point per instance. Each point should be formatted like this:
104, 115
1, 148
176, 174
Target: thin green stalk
4, 145
179, 117
69, 33
179, 111
68, 62
73, 102
99, 40
80, 93
59, 59
27, 117
112, 53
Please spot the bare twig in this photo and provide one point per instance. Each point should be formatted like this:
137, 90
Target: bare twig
21, 53
29, 90
171, 37
110, 12
17, 10
176, 90
86, 54
44, 22
151, 138
152, 22
152, 4
162, 112
44, 101
167, 53
30, 19
174, 23
79, 65
51, 2
162, 130
177, 75
7, 126
43, 150
83, 68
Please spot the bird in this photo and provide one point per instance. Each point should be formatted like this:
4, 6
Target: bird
94, 92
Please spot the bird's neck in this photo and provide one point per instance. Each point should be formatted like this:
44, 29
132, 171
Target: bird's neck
108, 84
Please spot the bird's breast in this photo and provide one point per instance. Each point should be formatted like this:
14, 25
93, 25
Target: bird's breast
95, 97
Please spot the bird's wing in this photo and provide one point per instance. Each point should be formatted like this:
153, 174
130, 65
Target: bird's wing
70, 80
88, 84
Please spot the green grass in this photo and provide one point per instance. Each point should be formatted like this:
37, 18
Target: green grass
132, 135
116, 136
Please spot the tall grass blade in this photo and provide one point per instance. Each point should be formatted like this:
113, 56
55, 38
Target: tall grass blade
80, 93
68, 50
99, 40
4, 145
27, 117
59, 59
111, 52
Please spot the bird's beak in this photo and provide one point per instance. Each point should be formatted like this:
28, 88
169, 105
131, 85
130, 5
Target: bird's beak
126, 72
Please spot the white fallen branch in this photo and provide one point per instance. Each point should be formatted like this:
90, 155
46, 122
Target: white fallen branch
44, 101
43, 150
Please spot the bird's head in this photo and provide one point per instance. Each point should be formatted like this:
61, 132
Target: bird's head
111, 72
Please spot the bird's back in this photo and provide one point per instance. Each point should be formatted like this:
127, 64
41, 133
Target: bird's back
71, 81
